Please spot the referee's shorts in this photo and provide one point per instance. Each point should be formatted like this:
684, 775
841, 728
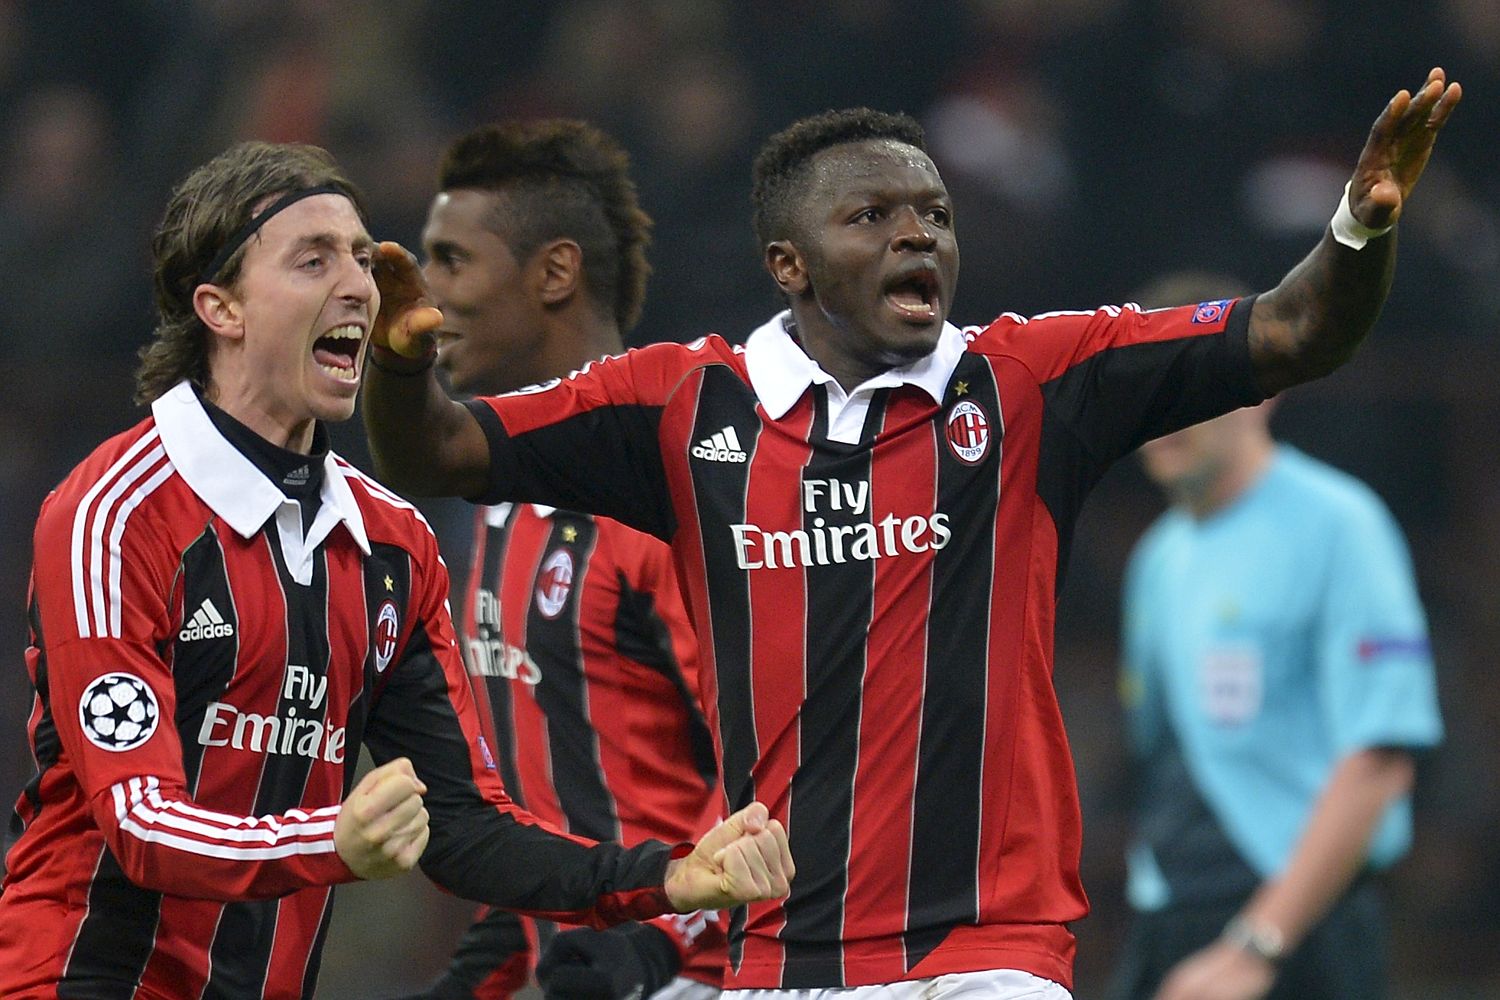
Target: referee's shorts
1344, 958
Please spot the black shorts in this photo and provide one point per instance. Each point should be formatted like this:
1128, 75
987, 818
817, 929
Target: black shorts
1344, 958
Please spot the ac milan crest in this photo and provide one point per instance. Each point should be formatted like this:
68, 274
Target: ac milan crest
554, 582
968, 431
387, 629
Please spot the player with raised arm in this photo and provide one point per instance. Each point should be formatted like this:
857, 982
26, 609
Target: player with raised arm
575, 633
869, 509
223, 610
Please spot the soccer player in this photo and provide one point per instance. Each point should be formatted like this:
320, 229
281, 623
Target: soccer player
868, 508
574, 628
223, 610
1277, 679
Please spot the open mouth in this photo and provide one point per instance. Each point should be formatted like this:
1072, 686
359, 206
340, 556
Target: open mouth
337, 352
913, 293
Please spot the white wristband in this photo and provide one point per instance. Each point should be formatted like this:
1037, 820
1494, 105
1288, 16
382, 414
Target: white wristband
1350, 231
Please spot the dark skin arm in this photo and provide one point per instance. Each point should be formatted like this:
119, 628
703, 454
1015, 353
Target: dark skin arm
423, 442
1313, 321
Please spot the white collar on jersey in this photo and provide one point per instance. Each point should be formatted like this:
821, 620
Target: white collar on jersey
239, 492
780, 371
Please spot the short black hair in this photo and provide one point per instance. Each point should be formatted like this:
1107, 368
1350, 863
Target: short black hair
781, 165
562, 179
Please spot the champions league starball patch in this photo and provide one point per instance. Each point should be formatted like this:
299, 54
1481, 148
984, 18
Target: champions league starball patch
118, 712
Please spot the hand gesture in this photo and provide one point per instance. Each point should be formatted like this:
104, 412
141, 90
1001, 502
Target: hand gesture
1221, 971
408, 321
1397, 150
742, 860
382, 828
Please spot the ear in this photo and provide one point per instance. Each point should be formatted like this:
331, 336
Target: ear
787, 267
559, 273
219, 310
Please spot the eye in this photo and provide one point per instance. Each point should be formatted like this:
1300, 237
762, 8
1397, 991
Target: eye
365, 259
314, 262
866, 216
940, 216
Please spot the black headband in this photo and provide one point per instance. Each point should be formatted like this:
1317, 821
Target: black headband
209, 273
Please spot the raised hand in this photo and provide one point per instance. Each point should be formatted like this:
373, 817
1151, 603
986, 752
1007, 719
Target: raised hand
1396, 152
382, 828
742, 860
407, 321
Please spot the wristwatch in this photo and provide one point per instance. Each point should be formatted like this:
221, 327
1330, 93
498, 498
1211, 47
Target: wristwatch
1260, 939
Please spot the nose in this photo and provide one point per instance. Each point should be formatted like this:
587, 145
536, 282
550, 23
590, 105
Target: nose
356, 281
911, 232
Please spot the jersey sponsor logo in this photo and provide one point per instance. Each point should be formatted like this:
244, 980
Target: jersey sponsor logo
118, 712
288, 734
824, 543
723, 446
206, 623
489, 654
1211, 312
387, 629
968, 431
554, 583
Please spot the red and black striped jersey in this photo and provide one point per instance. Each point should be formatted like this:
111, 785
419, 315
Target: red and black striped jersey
579, 645
205, 672
873, 581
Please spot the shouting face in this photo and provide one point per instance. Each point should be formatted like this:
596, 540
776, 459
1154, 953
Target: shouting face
873, 261
295, 324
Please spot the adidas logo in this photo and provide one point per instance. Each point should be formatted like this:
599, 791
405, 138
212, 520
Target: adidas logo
298, 476
207, 623
721, 447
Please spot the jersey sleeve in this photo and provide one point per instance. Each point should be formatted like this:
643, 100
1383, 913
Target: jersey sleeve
588, 442
483, 846
1119, 376
102, 588
1375, 663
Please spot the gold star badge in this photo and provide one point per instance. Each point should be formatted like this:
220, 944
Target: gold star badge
390, 584
570, 533
959, 388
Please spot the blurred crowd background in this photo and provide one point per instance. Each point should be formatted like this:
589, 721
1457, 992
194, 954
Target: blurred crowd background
1090, 146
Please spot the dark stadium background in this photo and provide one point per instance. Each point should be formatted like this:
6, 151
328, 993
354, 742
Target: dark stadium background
1090, 145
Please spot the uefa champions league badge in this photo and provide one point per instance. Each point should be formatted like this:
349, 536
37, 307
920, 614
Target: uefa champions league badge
118, 712
968, 431
1211, 312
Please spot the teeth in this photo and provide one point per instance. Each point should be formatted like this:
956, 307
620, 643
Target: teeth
342, 374
350, 331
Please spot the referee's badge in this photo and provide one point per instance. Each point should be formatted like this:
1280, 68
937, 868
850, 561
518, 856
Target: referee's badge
968, 431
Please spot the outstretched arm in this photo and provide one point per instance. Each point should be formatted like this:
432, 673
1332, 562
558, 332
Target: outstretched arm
423, 442
1314, 319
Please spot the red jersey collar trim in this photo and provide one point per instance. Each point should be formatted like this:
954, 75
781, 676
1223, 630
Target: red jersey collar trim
780, 371
229, 482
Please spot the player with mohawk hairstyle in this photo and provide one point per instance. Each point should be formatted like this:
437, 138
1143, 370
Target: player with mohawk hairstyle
574, 630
